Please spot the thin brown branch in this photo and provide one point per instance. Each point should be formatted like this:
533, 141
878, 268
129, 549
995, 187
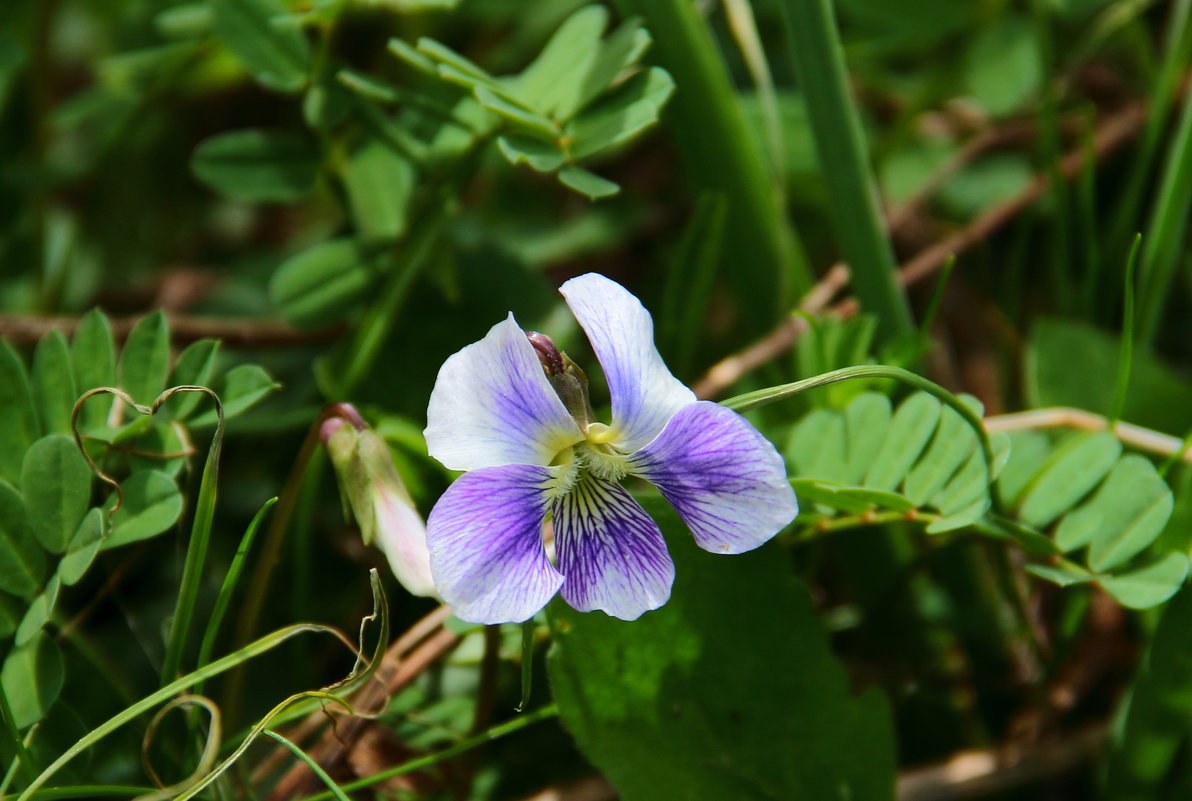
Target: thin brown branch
1110, 136
978, 773
24, 329
397, 671
1143, 439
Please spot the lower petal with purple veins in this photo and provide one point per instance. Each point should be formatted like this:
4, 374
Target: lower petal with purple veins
724, 478
486, 551
610, 552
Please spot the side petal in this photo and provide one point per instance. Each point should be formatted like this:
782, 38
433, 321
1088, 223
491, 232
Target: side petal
645, 394
492, 405
724, 478
486, 550
610, 552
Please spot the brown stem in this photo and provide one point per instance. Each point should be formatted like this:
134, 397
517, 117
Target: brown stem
1111, 135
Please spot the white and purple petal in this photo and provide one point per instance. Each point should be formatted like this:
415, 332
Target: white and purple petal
486, 551
492, 405
724, 478
610, 552
644, 393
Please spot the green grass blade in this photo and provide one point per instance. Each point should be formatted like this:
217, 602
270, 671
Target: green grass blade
253, 649
721, 154
496, 732
315, 768
229, 585
196, 549
844, 162
1167, 227
1126, 357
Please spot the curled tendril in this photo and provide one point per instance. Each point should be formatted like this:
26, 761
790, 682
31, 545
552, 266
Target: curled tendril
206, 759
142, 409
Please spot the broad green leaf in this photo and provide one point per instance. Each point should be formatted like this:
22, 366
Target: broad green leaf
240, 388
277, 56
1125, 515
320, 285
622, 116
688, 704
1154, 722
910, 429
32, 679
84, 546
1159, 395
587, 183
1068, 475
379, 182
22, 560
959, 518
11, 610
152, 503
194, 366
54, 388
953, 443
145, 360
1005, 67
619, 52
1028, 451
1063, 573
18, 422
809, 490
536, 154
530, 121
970, 484
186, 21
56, 485
259, 165
866, 424
877, 498
816, 448
1149, 585
164, 444
93, 355
554, 83
39, 612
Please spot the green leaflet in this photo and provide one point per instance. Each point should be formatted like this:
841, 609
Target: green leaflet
569, 104
257, 165
686, 703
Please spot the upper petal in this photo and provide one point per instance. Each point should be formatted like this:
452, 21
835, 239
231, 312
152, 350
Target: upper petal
486, 550
611, 554
644, 393
723, 477
493, 405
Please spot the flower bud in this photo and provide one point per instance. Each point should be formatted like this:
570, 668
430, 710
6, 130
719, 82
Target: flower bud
565, 376
373, 494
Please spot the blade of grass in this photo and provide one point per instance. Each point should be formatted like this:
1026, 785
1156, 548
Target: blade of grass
689, 281
496, 732
1177, 48
229, 586
21, 753
527, 665
844, 162
1126, 357
253, 649
721, 154
1167, 227
743, 25
315, 768
196, 549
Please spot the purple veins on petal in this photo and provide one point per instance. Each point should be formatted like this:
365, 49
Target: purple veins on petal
723, 477
644, 393
486, 551
610, 552
492, 405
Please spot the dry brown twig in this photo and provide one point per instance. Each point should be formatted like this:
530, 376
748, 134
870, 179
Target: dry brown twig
412, 653
27, 329
1110, 135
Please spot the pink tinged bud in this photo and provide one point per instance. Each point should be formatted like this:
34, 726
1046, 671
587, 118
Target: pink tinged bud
373, 494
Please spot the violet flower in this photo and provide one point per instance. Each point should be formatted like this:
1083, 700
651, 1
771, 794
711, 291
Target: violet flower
513, 411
